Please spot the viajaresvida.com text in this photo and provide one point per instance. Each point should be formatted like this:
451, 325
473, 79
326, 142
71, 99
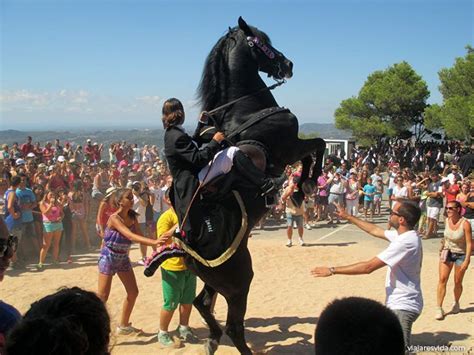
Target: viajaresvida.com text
437, 348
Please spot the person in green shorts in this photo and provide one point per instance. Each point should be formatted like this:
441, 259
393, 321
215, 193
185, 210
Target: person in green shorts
178, 283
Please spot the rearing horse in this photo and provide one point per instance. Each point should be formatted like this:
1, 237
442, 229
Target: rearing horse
231, 72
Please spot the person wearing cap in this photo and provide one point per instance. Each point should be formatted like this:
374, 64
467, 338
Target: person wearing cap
403, 256
27, 147
454, 176
434, 204
19, 162
40, 178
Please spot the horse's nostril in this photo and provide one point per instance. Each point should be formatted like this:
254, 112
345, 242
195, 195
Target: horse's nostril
290, 64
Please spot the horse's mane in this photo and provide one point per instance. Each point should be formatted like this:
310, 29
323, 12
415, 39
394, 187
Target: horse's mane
215, 81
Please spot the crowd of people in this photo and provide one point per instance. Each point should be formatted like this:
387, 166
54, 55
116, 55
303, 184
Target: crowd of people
55, 194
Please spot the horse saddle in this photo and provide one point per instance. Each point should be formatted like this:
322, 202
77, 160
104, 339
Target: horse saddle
218, 223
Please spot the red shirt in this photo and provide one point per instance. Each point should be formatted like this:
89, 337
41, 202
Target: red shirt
27, 148
106, 213
451, 192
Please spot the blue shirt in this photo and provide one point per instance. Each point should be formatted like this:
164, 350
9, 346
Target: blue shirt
26, 196
369, 189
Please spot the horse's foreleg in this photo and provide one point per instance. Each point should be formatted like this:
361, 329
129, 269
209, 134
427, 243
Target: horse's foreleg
237, 306
318, 164
203, 303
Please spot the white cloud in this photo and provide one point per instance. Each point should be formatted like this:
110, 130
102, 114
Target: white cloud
80, 101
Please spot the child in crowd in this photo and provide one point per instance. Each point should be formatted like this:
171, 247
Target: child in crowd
369, 193
378, 196
178, 284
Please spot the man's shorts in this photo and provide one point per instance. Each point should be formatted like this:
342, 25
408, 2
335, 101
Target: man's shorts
290, 218
432, 212
322, 200
368, 205
179, 287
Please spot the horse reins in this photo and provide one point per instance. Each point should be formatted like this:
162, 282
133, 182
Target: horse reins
219, 108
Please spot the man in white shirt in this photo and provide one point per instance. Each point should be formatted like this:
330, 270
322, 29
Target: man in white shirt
403, 257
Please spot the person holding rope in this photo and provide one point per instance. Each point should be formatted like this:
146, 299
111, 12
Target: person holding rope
186, 159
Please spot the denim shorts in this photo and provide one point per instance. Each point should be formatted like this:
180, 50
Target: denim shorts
290, 218
456, 258
50, 227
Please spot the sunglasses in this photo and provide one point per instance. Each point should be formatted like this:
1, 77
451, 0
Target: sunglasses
8, 246
451, 208
396, 214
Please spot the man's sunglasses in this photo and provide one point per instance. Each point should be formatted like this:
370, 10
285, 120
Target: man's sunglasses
451, 208
8, 246
396, 214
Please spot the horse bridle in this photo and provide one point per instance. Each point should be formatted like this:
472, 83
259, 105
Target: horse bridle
266, 49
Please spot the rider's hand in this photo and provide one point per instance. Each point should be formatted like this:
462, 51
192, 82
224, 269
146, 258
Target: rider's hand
219, 137
204, 117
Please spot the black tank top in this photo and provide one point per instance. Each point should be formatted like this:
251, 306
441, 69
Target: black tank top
469, 211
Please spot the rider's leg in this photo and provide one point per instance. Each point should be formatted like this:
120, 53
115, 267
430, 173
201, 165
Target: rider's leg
247, 168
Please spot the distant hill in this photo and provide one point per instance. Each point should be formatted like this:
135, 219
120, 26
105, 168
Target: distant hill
325, 130
139, 136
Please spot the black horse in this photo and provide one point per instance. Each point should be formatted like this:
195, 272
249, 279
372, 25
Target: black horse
231, 72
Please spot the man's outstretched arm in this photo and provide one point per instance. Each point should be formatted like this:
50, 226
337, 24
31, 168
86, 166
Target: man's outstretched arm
370, 228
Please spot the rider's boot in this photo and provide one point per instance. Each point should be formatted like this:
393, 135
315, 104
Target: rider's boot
248, 169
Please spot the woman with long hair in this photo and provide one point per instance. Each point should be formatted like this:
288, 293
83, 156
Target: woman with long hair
455, 251
52, 213
122, 229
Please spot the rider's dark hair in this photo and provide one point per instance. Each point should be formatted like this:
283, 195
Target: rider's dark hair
70, 321
356, 325
173, 113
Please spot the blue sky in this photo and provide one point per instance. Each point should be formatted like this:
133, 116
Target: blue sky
112, 63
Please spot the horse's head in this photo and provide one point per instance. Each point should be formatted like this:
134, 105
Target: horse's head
268, 59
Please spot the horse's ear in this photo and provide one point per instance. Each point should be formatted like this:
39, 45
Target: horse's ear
244, 27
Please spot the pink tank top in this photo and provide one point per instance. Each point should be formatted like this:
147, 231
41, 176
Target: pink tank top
53, 215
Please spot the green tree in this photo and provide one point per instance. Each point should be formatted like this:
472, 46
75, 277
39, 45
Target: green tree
456, 115
390, 102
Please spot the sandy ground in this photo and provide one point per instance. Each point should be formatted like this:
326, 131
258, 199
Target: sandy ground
284, 302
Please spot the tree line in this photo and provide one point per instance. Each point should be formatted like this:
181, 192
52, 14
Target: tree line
392, 104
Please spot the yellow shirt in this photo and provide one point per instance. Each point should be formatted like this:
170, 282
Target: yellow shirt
166, 221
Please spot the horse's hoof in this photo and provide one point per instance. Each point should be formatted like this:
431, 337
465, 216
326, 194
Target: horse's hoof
210, 346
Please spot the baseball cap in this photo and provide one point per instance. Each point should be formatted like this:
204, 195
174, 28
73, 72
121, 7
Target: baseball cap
445, 179
20, 162
30, 155
61, 158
